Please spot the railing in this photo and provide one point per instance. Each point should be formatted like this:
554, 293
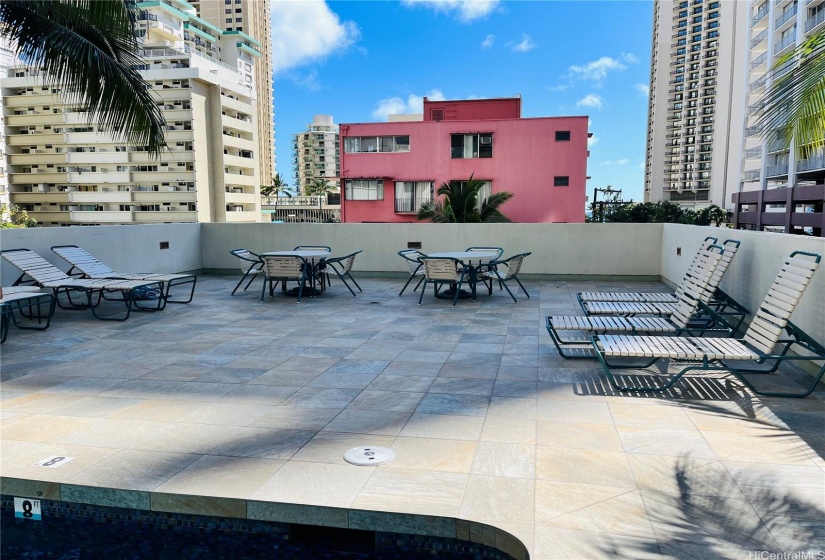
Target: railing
811, 164
784, 69
814, 20
751, 175
759, 38
752, 131
753, 153
777, 145
756, 107
776, 170
784, 44
785, 17
760, 15
757, 84
759, 60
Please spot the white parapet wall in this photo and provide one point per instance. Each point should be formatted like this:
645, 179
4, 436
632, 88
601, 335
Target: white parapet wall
557, 249
753, 269
134, 248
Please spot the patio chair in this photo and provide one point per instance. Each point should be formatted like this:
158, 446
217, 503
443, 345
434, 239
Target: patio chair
313, 248
513, 267
412, 257
721, 302
439, 271
283, 269
341, 266
484, 267
85, 265
720, 354
38, 271
251, 266
690, 318
25, 302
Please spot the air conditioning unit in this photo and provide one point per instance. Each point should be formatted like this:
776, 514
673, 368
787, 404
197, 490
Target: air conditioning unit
486, 139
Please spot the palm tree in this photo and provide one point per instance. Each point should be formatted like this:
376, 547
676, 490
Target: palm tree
318, 186
794, 106
279, 187
90, 50
460, 205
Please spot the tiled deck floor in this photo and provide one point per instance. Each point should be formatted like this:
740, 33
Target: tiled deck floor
231, 397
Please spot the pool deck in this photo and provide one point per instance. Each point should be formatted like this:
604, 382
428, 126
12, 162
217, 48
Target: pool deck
228, 397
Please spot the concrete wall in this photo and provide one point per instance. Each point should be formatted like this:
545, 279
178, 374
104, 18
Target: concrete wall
123, 248
753, 269
559, 249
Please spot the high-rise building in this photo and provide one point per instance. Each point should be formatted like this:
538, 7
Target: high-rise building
316, 153
6, 61
253, 19
776, 27
697, 77
65, 170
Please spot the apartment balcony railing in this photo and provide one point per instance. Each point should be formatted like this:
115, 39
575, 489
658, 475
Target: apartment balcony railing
777, 146
811, 164
759, 38
760, 15
784, 44
751, 175
776, 170
784, 18
815, 20
753, 153
759, 60
752, 131
784, 69
755, 108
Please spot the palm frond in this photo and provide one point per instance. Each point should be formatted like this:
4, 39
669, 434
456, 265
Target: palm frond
490, 212
433, 212
89, 48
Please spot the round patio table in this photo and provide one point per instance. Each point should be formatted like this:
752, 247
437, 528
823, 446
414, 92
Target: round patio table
472, 260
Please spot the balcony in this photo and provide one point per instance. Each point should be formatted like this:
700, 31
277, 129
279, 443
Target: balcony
812, 164
784, 18
814, 21
750, 176
753, 153
759, 38
760, 83
760, 15
776, 170
785, 43
759, 60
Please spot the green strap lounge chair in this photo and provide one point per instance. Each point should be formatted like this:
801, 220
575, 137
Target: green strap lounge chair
86, 265
771, 328
691, 316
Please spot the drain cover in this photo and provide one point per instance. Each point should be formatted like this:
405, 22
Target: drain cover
368, 455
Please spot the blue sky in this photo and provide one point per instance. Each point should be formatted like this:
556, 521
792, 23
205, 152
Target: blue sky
360, 60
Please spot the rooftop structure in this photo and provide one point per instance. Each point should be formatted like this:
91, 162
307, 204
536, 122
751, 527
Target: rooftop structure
389, 169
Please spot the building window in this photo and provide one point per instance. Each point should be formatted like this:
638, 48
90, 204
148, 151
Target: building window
364, 189
372, 144
561, 181
466, 146
239, 20
228, 20
562, 136
410, 195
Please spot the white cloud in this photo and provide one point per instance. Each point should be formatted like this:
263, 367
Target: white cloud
560, 87
630, 58
644, 89
590, 100
488, 41
526, 44
308, 80
398, 106
307, 31
597, 70
592, 141
615, 162
466, 10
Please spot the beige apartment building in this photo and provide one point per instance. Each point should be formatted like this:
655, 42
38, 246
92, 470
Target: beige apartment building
252, 17
65, 170
316, 153
694, 135
776, 27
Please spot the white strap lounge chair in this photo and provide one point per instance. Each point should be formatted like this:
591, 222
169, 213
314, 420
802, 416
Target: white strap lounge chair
714, 354
38, 271
28, 303
687, 318
87, 265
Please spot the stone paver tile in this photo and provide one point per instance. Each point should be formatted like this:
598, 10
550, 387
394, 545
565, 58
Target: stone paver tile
682, 474
359, 366
259, 394
295, 418
662, 416
579, 392
443, 426
551, 543
573, 411
85, 386
554, 499
135, 470
412, 491
396, 401
462, 386
44, 427
316, 397
512, 407
623, 514
461, 405
427, 454
505, 459
749, 448
39, 403
285, 378
266, 443
95, 407
664, 441
18, 458
315, 484
343, 380
227, 414
160, 411
498, 498
228, 477
358, 421
584, 466
578, 435
509, 430
412, 368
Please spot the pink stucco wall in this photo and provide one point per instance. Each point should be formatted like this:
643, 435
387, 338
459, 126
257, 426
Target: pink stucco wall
525, 159
473, 109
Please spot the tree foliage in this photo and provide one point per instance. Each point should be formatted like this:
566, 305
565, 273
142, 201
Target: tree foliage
460, 205
90, 50
665, 212
279, 187
17, 218
317, 186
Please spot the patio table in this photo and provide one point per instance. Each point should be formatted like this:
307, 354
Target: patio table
313, 257
473, 261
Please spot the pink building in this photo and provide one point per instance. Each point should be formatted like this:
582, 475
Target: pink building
389, 169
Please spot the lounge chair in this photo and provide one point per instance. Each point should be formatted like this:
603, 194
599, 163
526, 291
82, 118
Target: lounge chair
284, 268
513, 267
341, 266
714, 354
439, 271
87, 266
38, 271
690, 318
29, 303
412, 257
251, 265
720, 302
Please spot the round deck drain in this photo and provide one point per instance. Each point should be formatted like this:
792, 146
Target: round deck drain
369, 455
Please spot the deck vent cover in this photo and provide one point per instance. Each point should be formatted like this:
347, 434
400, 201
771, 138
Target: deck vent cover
369, 455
